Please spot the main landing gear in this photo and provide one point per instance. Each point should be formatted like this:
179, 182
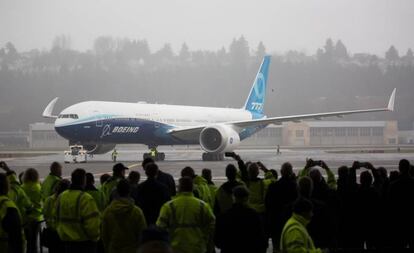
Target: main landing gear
155, 155
213, 156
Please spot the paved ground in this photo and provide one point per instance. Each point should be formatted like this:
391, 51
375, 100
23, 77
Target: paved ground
177, 159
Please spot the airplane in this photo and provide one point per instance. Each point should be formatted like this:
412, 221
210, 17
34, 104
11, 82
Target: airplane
100, 125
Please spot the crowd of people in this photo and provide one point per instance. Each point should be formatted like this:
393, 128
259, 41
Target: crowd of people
253, 211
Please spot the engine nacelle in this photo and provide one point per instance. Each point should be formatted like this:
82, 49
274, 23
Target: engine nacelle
219, 139
98, 148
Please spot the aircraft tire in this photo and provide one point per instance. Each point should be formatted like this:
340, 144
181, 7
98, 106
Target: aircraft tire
213, 157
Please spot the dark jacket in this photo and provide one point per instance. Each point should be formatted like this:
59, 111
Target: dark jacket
240, 230
150, 196
280, 195
168, 181
399, 201
224, 197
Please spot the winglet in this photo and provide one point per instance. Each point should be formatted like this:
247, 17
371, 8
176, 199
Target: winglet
47, 113
391, 102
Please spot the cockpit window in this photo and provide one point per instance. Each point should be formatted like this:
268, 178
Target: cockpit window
68, 116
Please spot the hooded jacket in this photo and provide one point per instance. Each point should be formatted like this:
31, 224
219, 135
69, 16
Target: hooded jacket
122, 225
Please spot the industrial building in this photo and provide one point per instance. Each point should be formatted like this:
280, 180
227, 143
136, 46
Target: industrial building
306, 134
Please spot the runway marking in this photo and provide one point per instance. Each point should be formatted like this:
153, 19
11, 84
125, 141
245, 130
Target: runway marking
133, 165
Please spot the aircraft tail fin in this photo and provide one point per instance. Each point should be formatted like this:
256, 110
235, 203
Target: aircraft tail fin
256, 99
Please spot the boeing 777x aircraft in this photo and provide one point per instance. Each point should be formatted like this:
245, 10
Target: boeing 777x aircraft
100, 125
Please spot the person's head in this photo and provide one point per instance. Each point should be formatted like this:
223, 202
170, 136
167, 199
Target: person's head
275, 175
394, 175
303, 207
343, 172
4, 184
90, 179
365, 179
56, 169
78, 178
286, 171
31, 176
231, 172
146, 161
316, 176
383, 172
185, 184
404, 167
119, 170
305, 185
62, 186
151, 170
206, 174
253, 170
188, 172
123, 188
155, 247
134, 177
240, 194
104, 178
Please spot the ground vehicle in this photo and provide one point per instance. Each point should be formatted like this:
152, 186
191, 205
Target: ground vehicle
76, 154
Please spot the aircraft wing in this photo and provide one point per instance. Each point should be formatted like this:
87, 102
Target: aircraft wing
194, 132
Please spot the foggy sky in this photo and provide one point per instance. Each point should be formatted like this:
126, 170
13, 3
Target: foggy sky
363, 25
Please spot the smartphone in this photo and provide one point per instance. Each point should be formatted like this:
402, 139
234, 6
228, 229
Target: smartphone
229, 154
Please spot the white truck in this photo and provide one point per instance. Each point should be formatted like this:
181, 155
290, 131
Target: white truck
76, 154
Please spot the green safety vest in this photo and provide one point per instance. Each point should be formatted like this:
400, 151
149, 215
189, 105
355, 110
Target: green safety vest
99, 198
257, 195
77, 217
5, 203
295, 237
33, 191
49, 185
49, 210
190, 223
19, 197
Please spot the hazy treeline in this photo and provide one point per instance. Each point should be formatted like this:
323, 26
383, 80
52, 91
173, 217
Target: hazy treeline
127, 70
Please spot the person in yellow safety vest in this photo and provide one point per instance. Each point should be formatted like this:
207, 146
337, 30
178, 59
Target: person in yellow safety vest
108, 188
122, 222
17, 194
295, 237
96, 194
153, 152
257, 186
50, 236
51, 181
114, 155
11, 234
77, 217
201, 189
206, 174
32, 188
189, 221
224, 195
331, 181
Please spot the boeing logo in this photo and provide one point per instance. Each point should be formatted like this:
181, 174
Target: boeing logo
124, 130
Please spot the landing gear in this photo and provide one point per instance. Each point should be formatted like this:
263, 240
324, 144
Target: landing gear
213, 157
155, 155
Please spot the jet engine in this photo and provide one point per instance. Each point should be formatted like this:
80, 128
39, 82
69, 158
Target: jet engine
219, 139
98, 148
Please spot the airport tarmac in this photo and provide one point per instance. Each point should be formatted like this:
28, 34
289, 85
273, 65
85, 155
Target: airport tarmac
178, 159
